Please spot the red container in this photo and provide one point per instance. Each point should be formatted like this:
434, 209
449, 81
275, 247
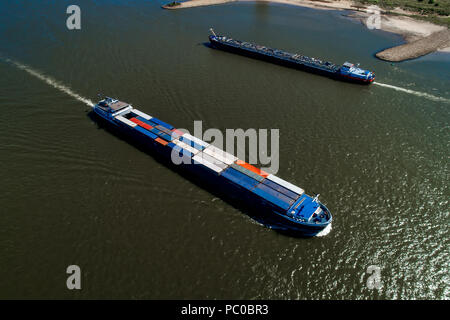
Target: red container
178, 132
248, 166
141, 124
163, 142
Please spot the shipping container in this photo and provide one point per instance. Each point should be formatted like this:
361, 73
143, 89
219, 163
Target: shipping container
166, 136
141, 124
200, 160
239, 178
248, 166
163, 129
155, 131
162, 123
195, 139
192, 143
141, 114
178, 132
271, 198
162, 141
212, 160
126, 121
219, 154
149, 122
185, 146
279, 188
146, 132
181, 151
274, 196
247, 172
286, 184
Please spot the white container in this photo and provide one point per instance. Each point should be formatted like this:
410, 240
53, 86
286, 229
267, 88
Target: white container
220, 155
141, 114
196, 140
212, 160
185, 146
126, 121
208, 164
286, 184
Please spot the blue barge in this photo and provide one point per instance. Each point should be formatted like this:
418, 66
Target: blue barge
285, 205
347, 72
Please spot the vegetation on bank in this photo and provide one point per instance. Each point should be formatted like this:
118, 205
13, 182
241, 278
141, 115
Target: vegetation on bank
438, 7
436, 11
173, 4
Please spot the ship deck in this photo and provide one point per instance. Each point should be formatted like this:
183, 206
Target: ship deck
280, 54
115, 106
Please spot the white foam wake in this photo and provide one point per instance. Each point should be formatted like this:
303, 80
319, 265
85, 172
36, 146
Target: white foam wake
416, 93
50, 81
325, 231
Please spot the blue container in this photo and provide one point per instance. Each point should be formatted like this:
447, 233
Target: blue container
146, 132
166, 136
247, 172
183, 151
146, 121
162, 123
163, 129
191, 143
283, 190
273, 196
239, 178
155, 131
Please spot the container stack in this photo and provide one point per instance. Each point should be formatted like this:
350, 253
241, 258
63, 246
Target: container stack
224, 165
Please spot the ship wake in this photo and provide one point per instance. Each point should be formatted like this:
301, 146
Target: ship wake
50, 81
325, 231
416, 93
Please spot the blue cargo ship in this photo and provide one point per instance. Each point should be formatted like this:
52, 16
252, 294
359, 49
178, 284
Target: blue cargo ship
285, 205
347, 72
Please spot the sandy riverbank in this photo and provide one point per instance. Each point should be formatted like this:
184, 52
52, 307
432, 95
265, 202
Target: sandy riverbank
422, 37
320, 4
417, 48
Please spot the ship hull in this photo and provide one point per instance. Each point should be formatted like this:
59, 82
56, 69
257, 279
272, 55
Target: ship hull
286, 63
257, 208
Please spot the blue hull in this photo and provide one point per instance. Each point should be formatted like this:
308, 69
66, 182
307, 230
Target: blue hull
257, 208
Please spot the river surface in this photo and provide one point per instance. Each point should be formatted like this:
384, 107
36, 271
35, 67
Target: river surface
73, 193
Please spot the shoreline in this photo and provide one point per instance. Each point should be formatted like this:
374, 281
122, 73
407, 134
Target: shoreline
421, 37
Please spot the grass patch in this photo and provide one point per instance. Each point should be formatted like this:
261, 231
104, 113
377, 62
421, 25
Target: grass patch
426, 7
435, 11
